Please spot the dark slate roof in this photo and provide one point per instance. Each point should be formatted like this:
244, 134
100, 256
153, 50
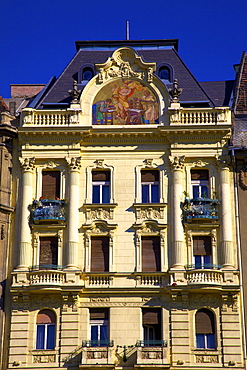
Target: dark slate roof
239, 139
192, 90
219, 91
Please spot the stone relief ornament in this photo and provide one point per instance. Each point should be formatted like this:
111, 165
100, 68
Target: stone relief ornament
75, 93
243, 177
51, 165
177, 163
27, 164
199, 163
223, 162
74, 163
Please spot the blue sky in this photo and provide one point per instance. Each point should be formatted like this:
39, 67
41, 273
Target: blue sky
38, 36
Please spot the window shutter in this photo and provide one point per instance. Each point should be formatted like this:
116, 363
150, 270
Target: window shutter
149, 175
99, 313
46, 317
151, 316
204, 322
51, 184
100, 175
151, 260
48, 251
202, 246
199, 175
99, 254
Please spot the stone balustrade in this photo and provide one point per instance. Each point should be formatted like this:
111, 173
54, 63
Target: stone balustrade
98, 280
46, 277
197, 116
151, 280
204, 277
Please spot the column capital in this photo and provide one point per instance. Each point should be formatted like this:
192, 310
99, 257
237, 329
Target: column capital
223, 162
177, 163
27, 164
74, 163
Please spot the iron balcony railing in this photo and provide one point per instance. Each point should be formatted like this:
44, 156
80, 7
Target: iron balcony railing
46, 267
206, 266
97, 343
48, 210
151, 343
200, 208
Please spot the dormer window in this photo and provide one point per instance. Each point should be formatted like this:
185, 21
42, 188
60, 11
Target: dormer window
87, 74
165, 73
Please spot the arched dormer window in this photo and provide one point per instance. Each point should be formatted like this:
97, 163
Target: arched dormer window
165, 73
205, 329
87, 74
46, 330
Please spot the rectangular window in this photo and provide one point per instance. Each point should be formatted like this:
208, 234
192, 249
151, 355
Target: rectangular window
45, 336
100, 187
99, 254
200, 183
151, 323
51, 184
99, 319
48, 252
150, 186
202, 251
151, 256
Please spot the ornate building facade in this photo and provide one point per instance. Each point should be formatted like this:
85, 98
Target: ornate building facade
126, 251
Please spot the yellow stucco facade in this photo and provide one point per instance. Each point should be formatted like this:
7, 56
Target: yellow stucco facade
171, 143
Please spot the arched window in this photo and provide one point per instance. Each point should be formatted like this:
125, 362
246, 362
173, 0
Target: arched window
164, 73
205, 329
87, 74
46, 330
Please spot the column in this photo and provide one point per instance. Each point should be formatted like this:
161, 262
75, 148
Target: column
226, 212
177, 166
74, 165
25, 251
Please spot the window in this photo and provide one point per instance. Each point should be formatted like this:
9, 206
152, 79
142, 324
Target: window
200, 183
205, 329
151, 323
101, 186
99, 254
51, 184
87, 74
46, 330
99, 326
48, 252
150, 186
164, 73
151, 258
202, 251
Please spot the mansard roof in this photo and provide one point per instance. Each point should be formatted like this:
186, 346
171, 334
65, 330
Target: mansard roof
162, 52
219, 91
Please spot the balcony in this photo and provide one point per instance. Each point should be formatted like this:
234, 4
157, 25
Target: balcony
46, 277
97, 353
151, 279
204, 276
152, 353
98, 280
200, 208
48, 210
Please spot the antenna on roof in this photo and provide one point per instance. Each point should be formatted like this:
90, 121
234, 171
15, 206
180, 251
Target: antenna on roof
127, 30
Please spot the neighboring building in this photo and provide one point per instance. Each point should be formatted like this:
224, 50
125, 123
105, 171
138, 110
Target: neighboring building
126, 252
238, 149
7, 134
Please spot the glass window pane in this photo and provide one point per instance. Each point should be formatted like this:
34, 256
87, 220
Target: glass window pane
207, 261
50, 337
145, 194
155, 193
200, 342
96, 194
40, 340
195, 189
103, 335
204, 190
94, 335
198, 262
105, 194
210, 341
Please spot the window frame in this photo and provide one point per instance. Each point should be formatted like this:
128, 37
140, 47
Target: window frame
89, 187
45, 335
101, 184
200, 184
205, 337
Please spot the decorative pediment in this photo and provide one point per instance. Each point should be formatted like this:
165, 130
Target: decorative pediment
125, 63
99, 228
149, 228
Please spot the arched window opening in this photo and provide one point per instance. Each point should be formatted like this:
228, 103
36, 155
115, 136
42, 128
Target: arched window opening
164, 73
46, 330
87, 74
205, 329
